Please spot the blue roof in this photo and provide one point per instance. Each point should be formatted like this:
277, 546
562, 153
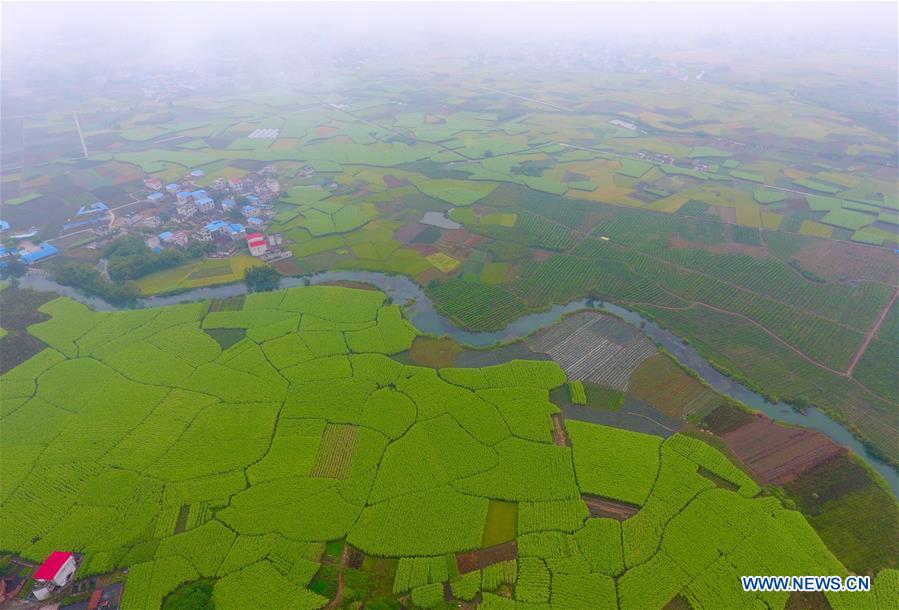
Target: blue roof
252, 198
155, 196
255, 220
198, 193
215, 225
236, 227
165, 235
184, 194
197, 172
171, 185
44, 250
3, 225
248, 209
98, 206
203, 199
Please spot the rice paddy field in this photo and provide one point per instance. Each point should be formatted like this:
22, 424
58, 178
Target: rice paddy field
306, 453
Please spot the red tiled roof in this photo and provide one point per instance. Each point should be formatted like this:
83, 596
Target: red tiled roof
50, 568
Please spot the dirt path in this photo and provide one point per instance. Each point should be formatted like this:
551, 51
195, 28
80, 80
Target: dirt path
560, 435
871, 334
80, 135
338, 597
761, 327
608, 508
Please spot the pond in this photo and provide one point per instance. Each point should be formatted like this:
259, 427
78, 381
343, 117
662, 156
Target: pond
421, 311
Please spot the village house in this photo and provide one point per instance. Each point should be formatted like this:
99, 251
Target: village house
205, 204
180, 238
186, 209
235, 184
152, 221
236, 230
93, 208
56, 571
153, 183
257, 244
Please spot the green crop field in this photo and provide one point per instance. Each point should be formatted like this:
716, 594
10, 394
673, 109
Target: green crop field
320, 436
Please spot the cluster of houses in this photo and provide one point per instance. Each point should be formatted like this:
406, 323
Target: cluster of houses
226, 212
23, 248
197, 213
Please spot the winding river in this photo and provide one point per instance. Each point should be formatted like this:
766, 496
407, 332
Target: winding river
420, 310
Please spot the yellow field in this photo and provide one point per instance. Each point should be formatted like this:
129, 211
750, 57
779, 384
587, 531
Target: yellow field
771, 220
180, 277
443, 262
815, 229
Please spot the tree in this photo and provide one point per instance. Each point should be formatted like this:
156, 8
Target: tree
262, 278
13, 268
90, 281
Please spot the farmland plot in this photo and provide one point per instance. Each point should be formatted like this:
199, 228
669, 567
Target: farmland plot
593, 347
306, 432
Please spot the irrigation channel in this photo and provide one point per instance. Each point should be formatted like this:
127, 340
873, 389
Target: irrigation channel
420, 310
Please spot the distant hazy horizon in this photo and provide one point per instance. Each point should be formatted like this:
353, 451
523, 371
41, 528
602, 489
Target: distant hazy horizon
192, 31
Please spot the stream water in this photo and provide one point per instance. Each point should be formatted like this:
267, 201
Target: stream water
420, 310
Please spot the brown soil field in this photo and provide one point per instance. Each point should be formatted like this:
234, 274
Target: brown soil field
845, 260
457, 236
676, 241
434, 353
604, 507
726, 418
778, 454
288, 266
560, 435
393, 182
727, 215
664, 385
475, 241
408, 231
478, 560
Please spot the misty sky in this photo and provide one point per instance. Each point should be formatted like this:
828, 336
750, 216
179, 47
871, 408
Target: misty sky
182, 31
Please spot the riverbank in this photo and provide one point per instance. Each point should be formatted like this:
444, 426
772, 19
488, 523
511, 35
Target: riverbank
421, 311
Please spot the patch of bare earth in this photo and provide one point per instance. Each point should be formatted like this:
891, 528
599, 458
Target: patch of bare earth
612, 509
478, 560
778, 454
844, 260
676, 241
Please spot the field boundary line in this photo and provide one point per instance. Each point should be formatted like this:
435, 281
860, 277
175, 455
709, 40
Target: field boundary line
871, 334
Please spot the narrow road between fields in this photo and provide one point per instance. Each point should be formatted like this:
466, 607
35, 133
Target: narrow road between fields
521, 97
871, 334
80, 135
344, 559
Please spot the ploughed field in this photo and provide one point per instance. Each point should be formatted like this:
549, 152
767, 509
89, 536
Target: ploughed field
136, 439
